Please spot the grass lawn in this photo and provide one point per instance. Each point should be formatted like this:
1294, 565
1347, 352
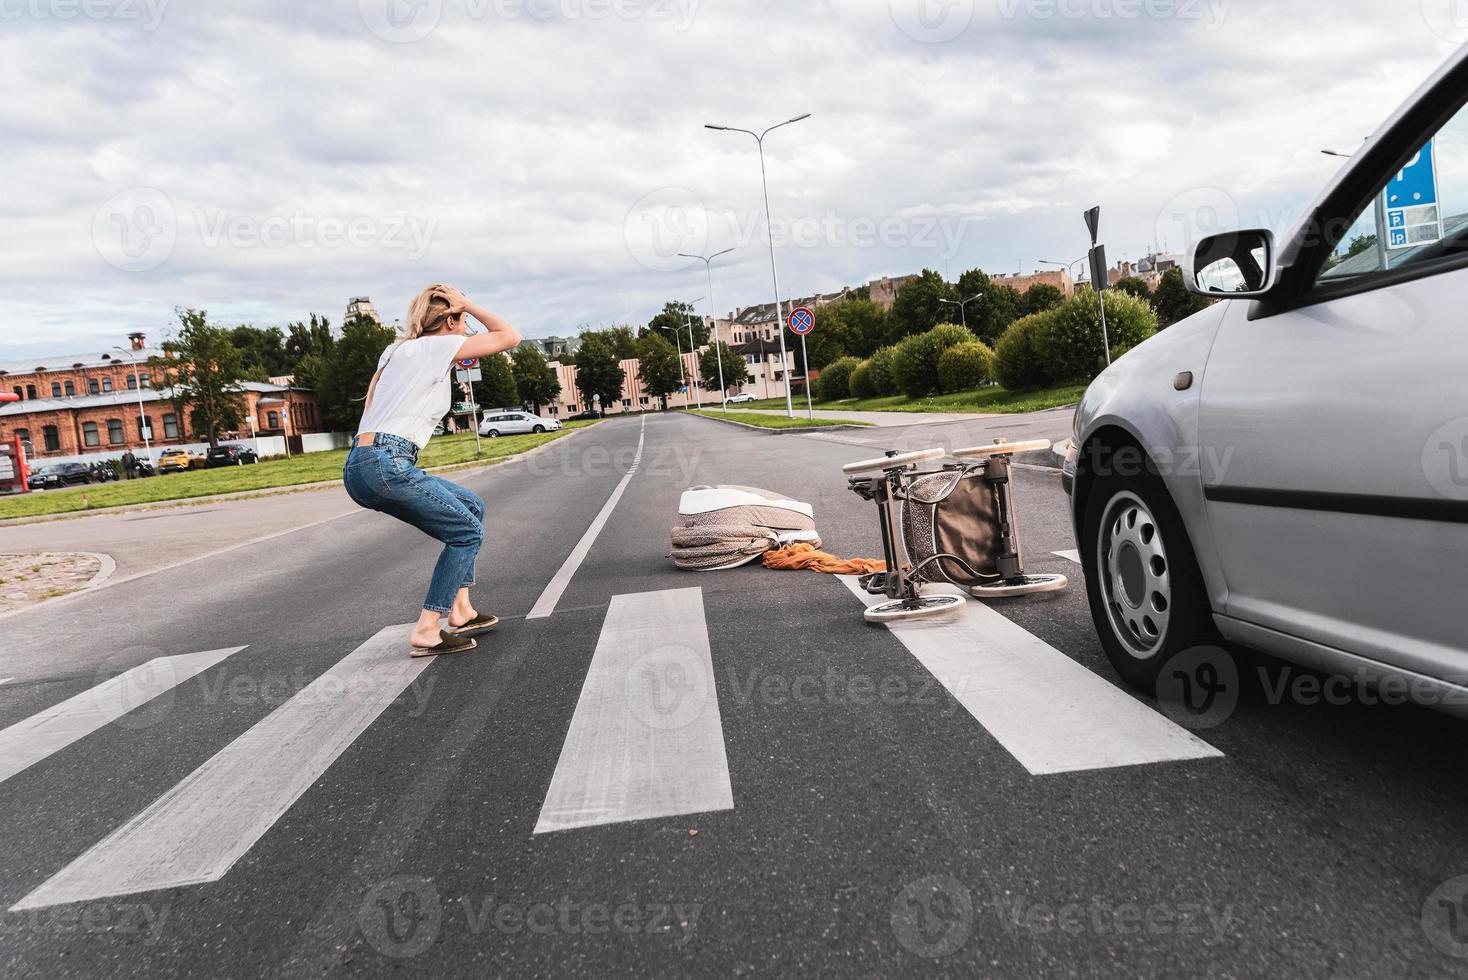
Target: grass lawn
998, 400
305, 468
771, 421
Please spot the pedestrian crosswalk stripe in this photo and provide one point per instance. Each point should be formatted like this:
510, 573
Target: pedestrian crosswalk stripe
646, 739
200, 827
556, 587
1072, 555
1049, 712
25, 743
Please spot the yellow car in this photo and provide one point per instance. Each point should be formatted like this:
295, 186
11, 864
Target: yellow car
174, 461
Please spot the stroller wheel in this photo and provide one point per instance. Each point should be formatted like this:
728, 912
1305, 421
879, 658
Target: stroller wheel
1024, 585
898, 611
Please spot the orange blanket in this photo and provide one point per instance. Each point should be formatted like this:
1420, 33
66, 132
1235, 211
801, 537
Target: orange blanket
798, 556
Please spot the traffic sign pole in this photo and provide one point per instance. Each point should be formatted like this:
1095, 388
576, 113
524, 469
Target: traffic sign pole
802, 322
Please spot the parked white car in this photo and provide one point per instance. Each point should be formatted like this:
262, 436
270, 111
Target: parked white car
1288, 469
515, 423
739, 399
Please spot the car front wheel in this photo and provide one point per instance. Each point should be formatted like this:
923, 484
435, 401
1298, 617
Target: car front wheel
493, 433
1147, 596
538, 429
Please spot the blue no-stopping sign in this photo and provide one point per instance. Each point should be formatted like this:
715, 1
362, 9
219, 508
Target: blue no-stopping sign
802, 321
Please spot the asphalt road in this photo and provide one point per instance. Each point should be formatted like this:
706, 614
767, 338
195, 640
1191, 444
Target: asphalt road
877, 826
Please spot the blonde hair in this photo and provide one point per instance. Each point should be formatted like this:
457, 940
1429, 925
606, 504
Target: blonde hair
429, 313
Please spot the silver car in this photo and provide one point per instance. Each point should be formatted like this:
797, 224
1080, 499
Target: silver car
1288, 469
515, 423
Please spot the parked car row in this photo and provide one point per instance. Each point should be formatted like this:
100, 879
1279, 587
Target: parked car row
515, 423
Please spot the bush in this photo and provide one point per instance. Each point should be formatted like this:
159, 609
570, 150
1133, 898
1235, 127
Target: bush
1070, 344
915, 363
883, 372
965, 366
834, 383
1017, 363
860, 382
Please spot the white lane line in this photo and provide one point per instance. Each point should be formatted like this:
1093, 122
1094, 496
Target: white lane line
556, 587
1072, 555
25, 743
646, 739
1049, 712
194, 832
5, 680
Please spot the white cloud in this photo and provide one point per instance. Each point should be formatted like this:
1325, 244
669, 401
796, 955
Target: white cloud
301, 158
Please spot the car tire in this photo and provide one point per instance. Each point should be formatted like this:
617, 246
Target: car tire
538, 429
493, 433
1147, 596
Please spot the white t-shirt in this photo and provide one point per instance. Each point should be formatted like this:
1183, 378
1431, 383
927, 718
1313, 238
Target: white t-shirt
416, 390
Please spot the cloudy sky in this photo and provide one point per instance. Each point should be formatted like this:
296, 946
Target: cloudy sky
265, 159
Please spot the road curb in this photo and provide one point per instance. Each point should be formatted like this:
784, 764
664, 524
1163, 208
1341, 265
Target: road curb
834, 427
267, 491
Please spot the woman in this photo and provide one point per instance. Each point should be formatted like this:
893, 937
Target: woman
409, 395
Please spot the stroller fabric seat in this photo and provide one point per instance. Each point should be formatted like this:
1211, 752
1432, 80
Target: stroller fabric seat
728, 526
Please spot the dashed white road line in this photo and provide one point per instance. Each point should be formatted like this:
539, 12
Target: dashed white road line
1049, 712
1072, 555
25, 743
198, 829
556, 587
647, 739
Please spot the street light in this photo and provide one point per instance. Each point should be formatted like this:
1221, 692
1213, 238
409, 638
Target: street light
759, 139
697, 399
142, 419
961, 304
707, 261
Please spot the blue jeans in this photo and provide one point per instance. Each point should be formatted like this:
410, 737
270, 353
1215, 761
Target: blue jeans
385, 477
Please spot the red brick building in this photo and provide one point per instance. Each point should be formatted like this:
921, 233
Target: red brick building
84, 404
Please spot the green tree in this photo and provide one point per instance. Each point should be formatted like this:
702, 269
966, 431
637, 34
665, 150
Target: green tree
916, 362
303, 340
965, 366
1173, 302
868, 325
675, 317
860, 382
658, 364
736, 372
1134, 286
1069, 342
883, 371
535, 380
1017, 363
262, 351
918, 307
833, 336
834, 383
343, 376
1040, 297
598, 371
203, 376
999, 308
496, 385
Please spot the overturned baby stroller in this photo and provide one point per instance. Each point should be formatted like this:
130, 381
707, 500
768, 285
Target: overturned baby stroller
958, 524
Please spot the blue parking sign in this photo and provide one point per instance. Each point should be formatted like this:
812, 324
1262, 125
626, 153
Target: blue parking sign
1412, 214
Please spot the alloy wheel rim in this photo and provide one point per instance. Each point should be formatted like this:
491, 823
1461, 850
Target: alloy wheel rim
1135, 575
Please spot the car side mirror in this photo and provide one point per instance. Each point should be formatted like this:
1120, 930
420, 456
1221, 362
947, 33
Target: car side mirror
1233, 265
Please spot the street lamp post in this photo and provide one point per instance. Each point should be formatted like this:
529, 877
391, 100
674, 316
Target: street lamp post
682, 378
693, 352
759, 139
1065, 265
707, 261
962, 304
142, 418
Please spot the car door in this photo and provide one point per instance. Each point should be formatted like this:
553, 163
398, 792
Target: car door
1335, 423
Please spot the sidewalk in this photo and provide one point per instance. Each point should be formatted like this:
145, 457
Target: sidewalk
873, 418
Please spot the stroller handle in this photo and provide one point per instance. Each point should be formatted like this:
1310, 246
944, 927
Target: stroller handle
893, 462
1002, 449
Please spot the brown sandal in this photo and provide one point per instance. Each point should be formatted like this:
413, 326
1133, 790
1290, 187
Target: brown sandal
448, 644
478, 624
